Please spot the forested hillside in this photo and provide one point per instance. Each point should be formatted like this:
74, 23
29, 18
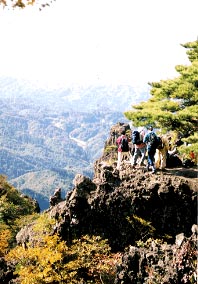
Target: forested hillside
47, 136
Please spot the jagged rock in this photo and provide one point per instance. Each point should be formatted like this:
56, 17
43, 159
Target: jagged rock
115, 131
107, 207
83, 185
110, 147
179, 239
166, 265
56, 198
6, 272
25, 235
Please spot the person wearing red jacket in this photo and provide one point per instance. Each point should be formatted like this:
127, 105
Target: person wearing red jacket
123, 154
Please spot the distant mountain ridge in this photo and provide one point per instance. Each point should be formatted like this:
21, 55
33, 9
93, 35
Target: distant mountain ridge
114, 98
51, 135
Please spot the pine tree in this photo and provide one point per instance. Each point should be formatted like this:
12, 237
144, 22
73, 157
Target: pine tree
173, 103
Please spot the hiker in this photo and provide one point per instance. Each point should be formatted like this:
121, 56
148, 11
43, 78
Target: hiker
113, 136
140, 148
192, 155
150, 141
173, 160
189, 160
123, 150
172, 147
161, 153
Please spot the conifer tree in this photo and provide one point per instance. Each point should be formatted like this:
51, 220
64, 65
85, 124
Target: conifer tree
173, 105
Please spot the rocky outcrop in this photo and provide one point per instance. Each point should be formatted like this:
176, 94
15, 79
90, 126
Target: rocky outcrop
56, 197
126, 208
159, 263
129, 207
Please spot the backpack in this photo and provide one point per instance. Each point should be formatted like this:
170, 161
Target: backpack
136, 137
124, 145
160, 144
153, 140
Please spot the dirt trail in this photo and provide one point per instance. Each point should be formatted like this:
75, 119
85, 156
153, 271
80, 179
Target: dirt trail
189, 173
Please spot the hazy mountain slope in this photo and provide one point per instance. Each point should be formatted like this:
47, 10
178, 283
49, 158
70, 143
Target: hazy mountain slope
44, 132
40, 184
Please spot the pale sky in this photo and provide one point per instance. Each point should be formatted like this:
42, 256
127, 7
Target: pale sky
97, 41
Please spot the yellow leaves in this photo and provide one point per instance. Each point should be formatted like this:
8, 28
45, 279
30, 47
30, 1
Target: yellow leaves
5, 235
92, 254
37, 263
18, 254
145, 229
43, 224
52, 261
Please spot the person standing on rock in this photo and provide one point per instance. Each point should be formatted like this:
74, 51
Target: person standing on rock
140, 150
161, 154
123, 149
150, 140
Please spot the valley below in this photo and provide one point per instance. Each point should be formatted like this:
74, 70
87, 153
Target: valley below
49, 136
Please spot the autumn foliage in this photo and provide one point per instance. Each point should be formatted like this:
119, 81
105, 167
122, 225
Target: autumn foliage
48, 259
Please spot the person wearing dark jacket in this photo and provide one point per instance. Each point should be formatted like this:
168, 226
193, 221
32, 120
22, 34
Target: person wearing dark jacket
140, 151
123, 154
151, 148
